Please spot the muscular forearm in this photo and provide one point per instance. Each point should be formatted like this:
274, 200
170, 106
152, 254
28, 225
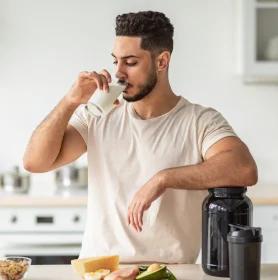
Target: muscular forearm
45, 143
235, 167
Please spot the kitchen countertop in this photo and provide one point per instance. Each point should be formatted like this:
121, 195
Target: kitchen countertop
26, 200
182, 272
261, 194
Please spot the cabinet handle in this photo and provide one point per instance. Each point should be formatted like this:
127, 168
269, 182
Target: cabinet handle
76, 219
13, 219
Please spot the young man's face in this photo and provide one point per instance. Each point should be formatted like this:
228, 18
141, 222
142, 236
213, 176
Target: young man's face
135, 66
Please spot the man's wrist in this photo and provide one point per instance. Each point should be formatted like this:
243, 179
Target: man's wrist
162, 178
69, 103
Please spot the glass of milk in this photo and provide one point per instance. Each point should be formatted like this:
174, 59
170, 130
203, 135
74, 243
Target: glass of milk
101, 102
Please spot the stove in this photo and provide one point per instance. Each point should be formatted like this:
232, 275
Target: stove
48, 229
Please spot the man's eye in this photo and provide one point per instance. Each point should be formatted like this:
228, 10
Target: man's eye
131, 64
115, 62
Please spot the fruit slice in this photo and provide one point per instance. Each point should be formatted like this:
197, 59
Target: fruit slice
155, 275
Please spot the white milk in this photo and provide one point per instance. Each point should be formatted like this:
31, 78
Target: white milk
101, 102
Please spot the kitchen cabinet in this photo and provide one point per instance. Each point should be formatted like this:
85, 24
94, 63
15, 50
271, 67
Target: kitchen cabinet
258, 40
266, 217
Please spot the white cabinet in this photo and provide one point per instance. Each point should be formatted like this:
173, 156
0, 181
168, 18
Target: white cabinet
258, 27
266, 217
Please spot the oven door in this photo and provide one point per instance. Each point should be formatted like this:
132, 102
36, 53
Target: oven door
41, 248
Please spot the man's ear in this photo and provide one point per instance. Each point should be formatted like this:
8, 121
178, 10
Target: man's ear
163, 61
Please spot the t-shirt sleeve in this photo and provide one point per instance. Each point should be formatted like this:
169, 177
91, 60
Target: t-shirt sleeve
79, 121
212, 127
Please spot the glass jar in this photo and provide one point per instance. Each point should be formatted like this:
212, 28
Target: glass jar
223, 206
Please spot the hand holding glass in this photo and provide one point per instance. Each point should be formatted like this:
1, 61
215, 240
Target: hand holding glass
101, 102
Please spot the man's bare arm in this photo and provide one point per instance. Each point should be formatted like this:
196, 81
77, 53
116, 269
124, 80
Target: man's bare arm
45, 150
228, 163
55, 143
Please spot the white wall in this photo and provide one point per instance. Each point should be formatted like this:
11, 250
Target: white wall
45, 44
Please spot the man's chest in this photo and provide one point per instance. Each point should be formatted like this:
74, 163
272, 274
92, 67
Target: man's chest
158, 146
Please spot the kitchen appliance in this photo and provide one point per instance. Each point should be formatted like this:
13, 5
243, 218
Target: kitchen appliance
47, 234
71, 178
245, 252
223, 206
15, 181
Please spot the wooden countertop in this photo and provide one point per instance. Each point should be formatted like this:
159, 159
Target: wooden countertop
261, 194
25, 200
182, 272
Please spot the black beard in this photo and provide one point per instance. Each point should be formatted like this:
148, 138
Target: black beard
144, 89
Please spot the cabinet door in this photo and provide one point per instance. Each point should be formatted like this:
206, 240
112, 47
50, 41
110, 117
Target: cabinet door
270, 246
260, 40
266, 217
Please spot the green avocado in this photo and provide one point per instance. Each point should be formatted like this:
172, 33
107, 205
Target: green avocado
156, 275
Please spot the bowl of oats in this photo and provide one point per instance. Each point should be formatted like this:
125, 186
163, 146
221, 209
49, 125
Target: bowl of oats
14, 268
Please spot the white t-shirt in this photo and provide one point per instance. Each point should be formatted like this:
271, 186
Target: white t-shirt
124, 152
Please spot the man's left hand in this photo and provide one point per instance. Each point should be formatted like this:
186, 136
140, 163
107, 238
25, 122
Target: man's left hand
143, 199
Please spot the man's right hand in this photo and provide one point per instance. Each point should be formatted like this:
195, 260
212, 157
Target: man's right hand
86, 84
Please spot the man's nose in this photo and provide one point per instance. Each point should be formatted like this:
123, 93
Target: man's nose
120, 74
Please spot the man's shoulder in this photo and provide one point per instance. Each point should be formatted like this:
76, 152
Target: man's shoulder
196, 109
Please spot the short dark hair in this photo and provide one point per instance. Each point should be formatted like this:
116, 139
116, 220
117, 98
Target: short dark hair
154, 28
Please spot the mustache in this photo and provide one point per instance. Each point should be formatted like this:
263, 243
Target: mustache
123, 82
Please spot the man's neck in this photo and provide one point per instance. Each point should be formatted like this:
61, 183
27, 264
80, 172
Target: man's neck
160, 101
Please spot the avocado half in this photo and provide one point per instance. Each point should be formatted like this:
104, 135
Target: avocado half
155, 275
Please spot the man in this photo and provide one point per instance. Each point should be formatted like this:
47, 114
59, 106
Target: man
151, 159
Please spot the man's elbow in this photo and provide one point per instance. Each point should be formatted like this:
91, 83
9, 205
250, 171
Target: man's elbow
251, 175
29, 166
32, 166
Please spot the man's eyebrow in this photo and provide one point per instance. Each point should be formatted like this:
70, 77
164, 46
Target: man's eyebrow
127, 56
